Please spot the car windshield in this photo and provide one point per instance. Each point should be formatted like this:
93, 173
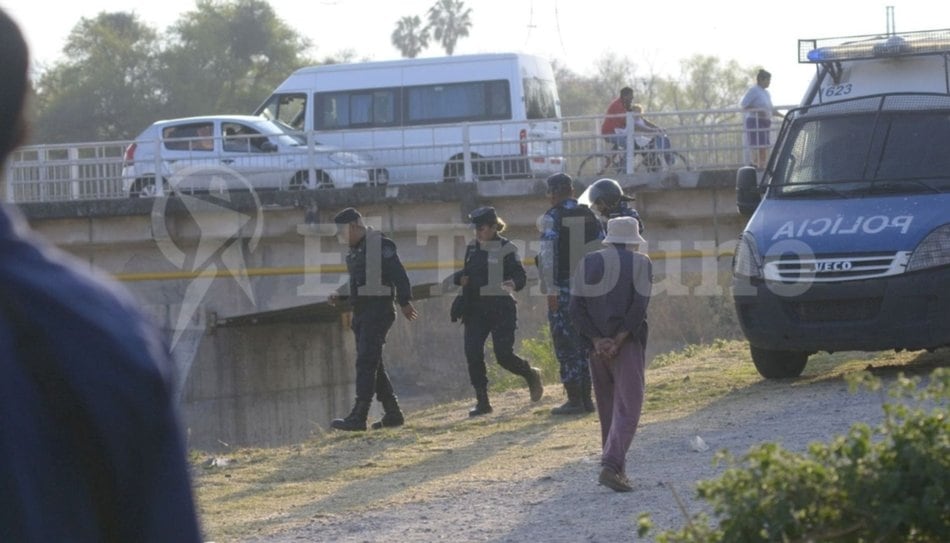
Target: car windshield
899, 151
294, 137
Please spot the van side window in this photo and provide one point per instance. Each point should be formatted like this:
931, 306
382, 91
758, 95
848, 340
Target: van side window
355, 109
474, 101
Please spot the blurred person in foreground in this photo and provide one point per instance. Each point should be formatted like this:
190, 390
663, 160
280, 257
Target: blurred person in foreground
609, 297
90, 446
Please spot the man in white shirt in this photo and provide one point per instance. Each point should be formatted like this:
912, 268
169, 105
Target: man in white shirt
759, 111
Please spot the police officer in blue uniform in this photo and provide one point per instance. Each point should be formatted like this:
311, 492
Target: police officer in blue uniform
568, 231
90, 445
492, 271
376, 277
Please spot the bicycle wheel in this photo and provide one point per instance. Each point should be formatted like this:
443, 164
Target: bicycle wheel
594, 165
655, 161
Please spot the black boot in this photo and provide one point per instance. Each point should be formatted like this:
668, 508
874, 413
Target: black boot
574, 404
392, 415
356, 420
586, 399
535, 386
482, 407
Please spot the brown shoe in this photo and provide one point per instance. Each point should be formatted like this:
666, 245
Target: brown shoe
613, 480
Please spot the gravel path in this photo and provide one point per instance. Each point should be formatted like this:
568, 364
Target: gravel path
567, 505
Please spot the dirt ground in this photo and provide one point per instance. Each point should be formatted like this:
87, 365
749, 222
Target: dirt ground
554, 496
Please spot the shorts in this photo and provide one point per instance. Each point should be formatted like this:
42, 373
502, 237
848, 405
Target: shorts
757, 130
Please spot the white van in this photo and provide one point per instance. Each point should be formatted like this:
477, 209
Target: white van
455, 118
848, 244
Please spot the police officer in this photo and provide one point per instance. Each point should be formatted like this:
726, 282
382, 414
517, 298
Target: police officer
606, 197
492, 271
375, 273
568, 231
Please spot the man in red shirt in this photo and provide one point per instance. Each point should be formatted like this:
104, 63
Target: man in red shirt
616, 119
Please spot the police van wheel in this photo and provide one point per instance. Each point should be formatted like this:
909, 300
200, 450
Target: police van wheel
778, 364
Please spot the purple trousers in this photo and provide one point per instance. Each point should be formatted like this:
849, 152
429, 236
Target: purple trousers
618, 385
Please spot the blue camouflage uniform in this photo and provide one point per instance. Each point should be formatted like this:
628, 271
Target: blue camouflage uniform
556, 263
623, 210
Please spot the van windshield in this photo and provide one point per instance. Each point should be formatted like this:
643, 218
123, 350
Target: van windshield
873, 152
286, 108
540, 99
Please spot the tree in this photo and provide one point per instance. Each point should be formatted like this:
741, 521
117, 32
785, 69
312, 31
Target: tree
449, 21
226, 57
410, 37
107, 89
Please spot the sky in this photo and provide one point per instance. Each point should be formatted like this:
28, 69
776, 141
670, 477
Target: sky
655, 36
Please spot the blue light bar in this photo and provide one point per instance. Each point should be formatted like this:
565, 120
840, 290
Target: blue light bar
927, 42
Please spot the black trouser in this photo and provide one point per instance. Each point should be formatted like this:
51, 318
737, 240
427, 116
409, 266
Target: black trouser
371, 323
498, 318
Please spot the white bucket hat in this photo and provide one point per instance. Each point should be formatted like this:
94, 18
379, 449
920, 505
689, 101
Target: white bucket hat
623, 230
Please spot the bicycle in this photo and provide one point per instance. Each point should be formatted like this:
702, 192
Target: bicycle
647, 158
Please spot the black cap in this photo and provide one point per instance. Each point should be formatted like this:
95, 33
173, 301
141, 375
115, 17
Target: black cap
347, 216
483, 215
559, 182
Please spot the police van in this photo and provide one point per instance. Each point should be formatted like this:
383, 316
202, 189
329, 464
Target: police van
848, 243
455, 118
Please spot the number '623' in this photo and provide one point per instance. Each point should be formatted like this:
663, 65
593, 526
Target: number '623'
838, 90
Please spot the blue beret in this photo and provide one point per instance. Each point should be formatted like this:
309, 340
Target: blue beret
559, 182
347, 216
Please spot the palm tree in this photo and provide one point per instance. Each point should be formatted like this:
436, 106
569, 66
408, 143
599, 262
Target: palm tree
410, 37
449, 21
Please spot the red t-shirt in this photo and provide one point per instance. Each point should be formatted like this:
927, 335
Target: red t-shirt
612, 122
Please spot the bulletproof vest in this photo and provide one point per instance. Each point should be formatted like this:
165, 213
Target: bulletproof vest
576, 229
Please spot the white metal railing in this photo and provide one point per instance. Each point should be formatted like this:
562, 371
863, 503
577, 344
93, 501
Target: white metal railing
704, 139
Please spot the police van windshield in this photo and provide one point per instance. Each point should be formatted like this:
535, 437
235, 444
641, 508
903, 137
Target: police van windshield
900, 150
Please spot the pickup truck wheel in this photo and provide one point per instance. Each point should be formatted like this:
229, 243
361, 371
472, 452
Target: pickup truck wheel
778, 364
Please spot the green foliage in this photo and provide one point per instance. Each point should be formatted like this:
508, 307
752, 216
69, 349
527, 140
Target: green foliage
449, 20
888, 484
120, 75
704, 83
410, 37
106, 90
227, 57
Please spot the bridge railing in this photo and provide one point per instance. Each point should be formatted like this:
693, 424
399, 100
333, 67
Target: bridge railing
703, 139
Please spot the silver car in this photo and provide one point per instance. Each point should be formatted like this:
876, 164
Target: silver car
237, 152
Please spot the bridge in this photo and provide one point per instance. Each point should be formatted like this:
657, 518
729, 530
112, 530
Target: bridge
701, 140
239, 283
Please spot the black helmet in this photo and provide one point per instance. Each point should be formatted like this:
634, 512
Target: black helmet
607, 192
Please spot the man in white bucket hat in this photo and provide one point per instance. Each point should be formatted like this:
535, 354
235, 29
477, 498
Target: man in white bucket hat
609, 297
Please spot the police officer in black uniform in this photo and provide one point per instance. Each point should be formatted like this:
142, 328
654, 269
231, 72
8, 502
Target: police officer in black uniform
492, 271
375, 273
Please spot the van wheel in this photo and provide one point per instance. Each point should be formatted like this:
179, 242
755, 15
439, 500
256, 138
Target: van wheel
145, 187
454, 171
778, 364
299, 181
